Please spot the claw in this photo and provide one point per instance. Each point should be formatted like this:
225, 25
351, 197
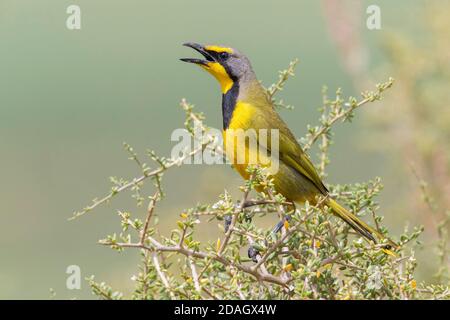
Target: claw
253, 253
227, 223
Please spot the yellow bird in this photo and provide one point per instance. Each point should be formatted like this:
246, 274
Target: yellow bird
245, 105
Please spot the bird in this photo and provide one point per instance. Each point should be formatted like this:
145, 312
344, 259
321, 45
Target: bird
246, 105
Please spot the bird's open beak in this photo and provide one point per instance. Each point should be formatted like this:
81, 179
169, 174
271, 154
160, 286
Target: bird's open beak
201, 49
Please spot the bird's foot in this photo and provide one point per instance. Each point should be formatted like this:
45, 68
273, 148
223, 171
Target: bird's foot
280, 224
253, 253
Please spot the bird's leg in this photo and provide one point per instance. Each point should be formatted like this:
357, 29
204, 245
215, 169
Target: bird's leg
253, 252
281, 223
227, 223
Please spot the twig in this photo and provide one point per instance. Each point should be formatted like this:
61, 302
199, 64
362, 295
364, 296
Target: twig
344, 113
150, 208
194, 275
156, 172
162, 276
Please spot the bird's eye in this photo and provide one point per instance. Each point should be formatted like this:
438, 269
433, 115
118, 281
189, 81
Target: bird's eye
224, 55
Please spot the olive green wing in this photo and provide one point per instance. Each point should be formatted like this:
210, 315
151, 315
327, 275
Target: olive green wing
290, 152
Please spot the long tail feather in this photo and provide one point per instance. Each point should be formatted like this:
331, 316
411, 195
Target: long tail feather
357, 224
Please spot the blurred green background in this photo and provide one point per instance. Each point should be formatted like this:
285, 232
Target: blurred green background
68, 99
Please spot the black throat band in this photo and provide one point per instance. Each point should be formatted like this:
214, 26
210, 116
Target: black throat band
229, 100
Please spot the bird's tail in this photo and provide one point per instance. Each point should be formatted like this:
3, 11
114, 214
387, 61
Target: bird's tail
357, 224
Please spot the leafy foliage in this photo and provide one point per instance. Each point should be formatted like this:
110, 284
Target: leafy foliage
314, 256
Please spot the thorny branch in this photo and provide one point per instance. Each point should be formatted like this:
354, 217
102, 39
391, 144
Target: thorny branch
313, 257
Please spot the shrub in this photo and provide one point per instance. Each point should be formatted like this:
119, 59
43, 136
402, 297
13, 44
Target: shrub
315, 256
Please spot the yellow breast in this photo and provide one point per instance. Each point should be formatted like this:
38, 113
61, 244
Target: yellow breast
242, 115
241, 140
